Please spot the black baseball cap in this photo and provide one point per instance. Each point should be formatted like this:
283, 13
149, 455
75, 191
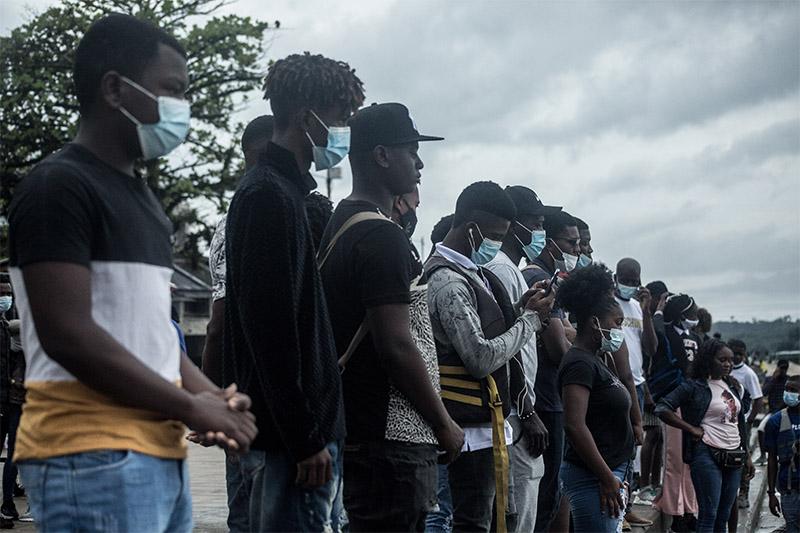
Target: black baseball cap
527, 202
384, 124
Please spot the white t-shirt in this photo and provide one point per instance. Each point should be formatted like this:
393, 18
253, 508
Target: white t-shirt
632, 327
749, 380
512, 279
721, 423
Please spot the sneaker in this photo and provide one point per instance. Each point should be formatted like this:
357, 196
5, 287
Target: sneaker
26, 516
762, 460
635, 520
650, 494
9, 510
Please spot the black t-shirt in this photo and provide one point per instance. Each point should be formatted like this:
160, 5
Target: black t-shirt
608, 413
371, 265
548, 395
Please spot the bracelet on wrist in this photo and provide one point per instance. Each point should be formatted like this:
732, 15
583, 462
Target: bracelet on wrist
527, 416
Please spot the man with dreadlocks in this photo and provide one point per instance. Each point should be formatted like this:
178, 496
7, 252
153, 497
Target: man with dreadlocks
277, 332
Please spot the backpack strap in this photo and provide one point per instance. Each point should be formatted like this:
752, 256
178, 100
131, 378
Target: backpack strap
362, 216
363, 328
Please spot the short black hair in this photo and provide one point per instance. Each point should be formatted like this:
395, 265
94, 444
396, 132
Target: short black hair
657, 288
486, 196
441, 228
117, 42
782, 363
701, 367
582, 226
311, 81
554, 224
705, 319
736, 344
587, 292
318, 211
257, 131
676, 305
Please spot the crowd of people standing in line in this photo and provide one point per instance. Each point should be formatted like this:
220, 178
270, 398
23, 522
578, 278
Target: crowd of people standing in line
505, 382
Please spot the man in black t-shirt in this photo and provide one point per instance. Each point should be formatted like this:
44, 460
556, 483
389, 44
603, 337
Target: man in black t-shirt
367, 274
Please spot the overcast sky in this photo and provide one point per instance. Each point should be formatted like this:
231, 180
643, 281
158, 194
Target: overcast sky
673, 129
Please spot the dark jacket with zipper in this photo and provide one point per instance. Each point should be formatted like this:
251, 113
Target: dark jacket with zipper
693, 397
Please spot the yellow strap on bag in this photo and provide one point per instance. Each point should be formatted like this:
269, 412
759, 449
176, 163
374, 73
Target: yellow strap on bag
499, 448
500, 453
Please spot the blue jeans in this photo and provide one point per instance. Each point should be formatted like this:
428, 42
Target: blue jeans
716, 490
108, 490
582, 488
790, 507
239, 473
440, 520
278, 504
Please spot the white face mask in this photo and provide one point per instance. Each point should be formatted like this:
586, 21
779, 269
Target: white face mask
689, 324
162, 137
569, 261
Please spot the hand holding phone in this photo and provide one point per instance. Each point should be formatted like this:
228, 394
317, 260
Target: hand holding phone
551, 283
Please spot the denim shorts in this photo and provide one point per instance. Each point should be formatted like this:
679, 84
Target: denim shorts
109, 490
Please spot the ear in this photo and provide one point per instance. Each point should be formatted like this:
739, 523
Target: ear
305, 120
380, 154
111, 89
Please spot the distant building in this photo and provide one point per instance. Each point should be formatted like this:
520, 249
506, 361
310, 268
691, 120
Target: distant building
191, 301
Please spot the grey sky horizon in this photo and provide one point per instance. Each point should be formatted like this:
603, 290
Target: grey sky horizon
673, 129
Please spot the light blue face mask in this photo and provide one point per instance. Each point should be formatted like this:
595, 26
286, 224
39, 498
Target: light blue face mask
791, 399
5, 303
486, 251
614, 341
625, 292
162, 137
584, 261
537, 244
338, 146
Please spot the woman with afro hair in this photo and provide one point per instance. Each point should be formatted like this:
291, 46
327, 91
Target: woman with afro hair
597, 405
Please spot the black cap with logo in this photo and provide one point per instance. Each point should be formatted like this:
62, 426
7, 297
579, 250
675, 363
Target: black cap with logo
527, 202
383, 124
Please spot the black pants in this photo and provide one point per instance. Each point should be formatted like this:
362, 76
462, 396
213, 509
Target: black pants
10, 423
389, 485
549, 487
472, 486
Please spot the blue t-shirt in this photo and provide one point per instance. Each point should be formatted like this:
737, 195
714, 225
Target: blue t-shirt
771, 440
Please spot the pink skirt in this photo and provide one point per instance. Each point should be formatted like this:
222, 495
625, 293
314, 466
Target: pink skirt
677, 492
